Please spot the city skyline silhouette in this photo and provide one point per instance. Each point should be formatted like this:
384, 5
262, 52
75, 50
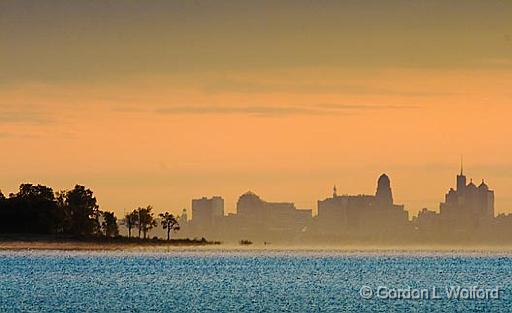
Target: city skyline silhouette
344, 189
466, 215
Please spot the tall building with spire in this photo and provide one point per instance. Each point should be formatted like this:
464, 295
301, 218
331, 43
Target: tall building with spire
467, 207
461, 179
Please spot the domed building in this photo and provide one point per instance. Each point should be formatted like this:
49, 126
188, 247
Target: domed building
483, 186
250, 204
384, 196
362, 214
257, 218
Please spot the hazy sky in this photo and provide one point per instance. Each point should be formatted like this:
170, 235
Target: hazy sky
159, 102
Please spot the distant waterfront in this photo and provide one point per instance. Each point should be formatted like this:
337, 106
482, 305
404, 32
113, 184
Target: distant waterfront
466, 218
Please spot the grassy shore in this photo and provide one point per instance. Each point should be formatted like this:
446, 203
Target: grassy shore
42, 242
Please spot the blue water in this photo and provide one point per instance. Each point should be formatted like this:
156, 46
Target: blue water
244, 281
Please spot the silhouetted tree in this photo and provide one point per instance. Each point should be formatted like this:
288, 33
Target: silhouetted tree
169, 223
32, 210
146, 220
2, 202
138, 212
82, 211
60, 199
130, 221
109, 224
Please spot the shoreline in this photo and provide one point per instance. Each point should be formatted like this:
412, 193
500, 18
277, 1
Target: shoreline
196, 245
30, 242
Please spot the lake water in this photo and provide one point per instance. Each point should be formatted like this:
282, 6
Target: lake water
250, 281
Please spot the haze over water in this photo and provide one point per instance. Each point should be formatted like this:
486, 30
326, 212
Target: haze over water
243, 280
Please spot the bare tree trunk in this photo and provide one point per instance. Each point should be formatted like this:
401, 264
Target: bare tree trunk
140, 222
168, 234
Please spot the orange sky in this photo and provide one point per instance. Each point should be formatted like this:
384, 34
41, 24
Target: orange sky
160, 103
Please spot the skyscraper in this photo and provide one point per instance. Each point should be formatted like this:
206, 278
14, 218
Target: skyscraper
468, 207
206, 213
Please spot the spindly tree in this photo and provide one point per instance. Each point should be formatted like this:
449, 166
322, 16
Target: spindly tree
169, 223
139, 211
109, 224
146, 220
130, 221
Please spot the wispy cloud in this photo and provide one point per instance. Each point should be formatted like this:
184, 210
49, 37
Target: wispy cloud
320, 109
336, 106
16, 135
288, 85
18, 116
248, 110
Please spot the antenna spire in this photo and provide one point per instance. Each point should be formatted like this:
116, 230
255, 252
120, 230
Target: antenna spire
461, 165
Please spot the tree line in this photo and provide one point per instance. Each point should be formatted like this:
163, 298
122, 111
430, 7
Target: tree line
143, 220
37, 209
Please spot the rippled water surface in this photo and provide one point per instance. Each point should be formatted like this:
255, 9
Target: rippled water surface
244, 281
